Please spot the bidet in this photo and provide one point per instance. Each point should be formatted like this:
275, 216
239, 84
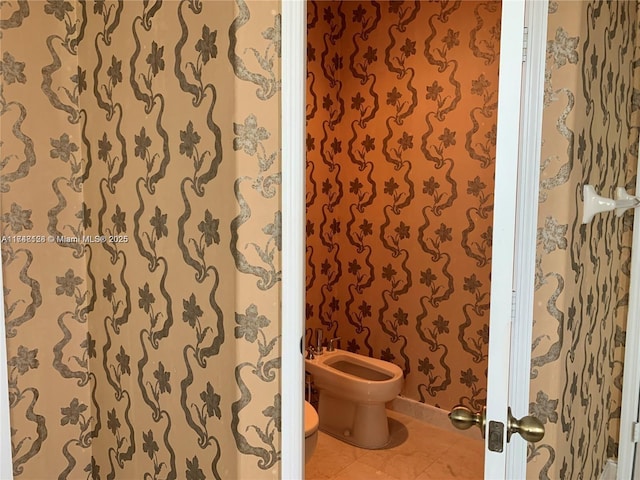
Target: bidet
353, 390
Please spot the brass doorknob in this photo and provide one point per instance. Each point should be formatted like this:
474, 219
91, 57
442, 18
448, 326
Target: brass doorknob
529, 427
462, 418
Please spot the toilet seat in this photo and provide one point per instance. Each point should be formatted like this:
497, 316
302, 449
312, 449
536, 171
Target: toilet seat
311, 420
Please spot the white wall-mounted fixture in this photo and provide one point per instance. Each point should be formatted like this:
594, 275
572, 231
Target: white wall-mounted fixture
594, 203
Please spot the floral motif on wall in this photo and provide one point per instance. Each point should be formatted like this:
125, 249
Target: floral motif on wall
582, 271
401, 125
142, 330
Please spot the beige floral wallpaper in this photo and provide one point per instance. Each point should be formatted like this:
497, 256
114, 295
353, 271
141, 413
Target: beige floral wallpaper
141, 237
589, 137
139, 208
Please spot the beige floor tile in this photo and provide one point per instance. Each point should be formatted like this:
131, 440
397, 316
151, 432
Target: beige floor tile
443, 469
346, 449
313, 471
399, 465
416, 451
469, 454
361, 471
427, 440
377, 458
330, 457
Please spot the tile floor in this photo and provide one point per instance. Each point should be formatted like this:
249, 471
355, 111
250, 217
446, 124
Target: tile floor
417, 451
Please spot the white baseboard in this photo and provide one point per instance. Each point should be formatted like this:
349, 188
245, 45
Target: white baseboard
610, 470
430, 414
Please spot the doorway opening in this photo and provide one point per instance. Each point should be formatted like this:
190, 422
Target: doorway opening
401, 131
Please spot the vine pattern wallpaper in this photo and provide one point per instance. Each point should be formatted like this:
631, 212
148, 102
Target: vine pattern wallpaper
141, 237
150, 349
401, 125
590, 136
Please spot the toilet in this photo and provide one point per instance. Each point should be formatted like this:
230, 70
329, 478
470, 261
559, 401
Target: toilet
310, 430
353, 390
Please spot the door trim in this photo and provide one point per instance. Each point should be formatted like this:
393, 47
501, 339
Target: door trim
501, 327
294, 41
536, 15
293, 128
293, 216
6, 463
631, 384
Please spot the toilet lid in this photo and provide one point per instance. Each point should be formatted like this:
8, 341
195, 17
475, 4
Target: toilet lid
310, 419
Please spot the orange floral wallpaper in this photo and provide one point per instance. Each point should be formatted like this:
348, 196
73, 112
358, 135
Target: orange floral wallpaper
401, 125
140, 218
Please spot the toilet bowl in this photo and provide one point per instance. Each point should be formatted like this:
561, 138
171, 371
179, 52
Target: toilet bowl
310, 430
353, 390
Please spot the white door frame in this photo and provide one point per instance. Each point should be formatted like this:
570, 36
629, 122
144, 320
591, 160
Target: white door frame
293, 214
627, 447
536, 15
294, 68
6, 465
503, 278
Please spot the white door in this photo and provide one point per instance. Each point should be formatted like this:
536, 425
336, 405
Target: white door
636, 469
521, 87
635, 473
6, 468
628, 454
504, 221
507, 366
